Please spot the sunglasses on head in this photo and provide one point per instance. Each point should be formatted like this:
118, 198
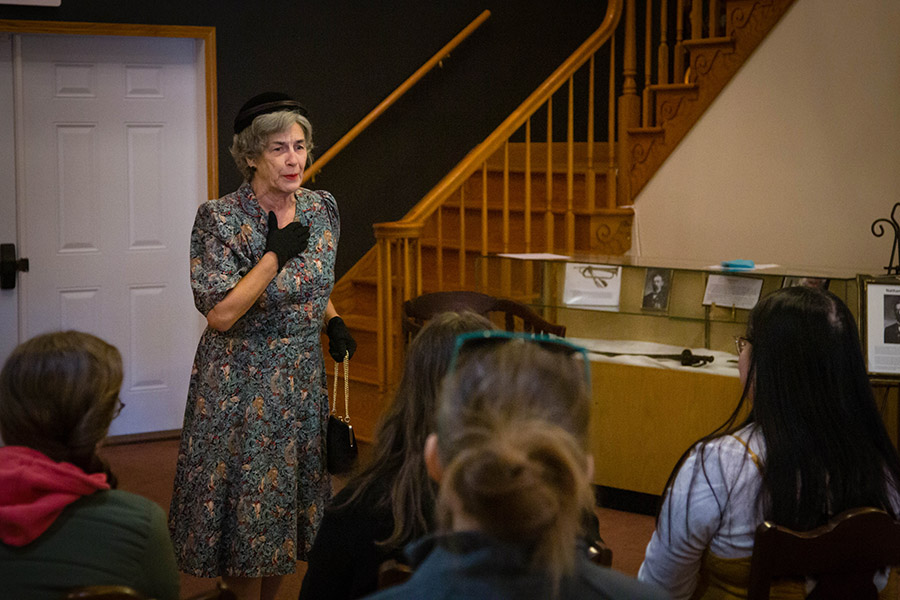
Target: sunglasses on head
493, 337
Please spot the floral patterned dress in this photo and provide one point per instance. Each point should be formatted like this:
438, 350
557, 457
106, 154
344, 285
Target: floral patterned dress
251, 483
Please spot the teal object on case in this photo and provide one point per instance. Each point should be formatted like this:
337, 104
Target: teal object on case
738, 265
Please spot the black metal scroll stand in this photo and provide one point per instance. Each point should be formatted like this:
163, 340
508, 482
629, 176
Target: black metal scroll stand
892, 269
687, 358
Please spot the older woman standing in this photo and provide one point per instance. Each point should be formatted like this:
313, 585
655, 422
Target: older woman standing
251, 481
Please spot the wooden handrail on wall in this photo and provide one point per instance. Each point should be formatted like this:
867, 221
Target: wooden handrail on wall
394, 96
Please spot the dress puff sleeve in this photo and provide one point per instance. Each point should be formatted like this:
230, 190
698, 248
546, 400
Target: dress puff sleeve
220, 254
334, 217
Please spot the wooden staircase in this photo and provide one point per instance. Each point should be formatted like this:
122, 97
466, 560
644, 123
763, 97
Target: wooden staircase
497, 199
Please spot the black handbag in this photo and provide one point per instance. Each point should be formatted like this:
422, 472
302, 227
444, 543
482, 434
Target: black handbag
340, 442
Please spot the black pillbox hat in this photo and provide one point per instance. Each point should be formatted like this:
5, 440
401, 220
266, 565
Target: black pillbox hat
267, 102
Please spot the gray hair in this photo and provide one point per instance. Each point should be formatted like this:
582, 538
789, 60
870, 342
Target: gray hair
251, 142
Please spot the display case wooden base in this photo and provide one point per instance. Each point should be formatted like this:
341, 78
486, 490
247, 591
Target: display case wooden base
643, 419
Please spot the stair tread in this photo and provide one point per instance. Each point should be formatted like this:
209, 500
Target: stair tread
673, 87
538, 208
359, 322
646, 130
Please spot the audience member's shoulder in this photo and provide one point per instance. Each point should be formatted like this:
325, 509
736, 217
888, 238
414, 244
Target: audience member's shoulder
119, 505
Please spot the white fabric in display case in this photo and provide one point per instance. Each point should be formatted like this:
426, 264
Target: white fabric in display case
724, 363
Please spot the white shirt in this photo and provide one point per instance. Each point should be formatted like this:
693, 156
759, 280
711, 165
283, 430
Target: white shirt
722, 491
724, 513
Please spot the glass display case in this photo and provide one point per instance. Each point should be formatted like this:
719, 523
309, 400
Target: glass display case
682, 320
629, 311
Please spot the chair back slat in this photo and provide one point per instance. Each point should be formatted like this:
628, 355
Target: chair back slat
423, 308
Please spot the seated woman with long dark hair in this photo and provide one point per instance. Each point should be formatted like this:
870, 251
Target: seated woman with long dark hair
812, 445
391, 501
61, 526
510, 453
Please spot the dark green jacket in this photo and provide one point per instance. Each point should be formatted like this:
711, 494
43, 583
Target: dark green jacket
108, 538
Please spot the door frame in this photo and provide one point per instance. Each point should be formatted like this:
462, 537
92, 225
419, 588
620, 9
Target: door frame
205, 34
206, 54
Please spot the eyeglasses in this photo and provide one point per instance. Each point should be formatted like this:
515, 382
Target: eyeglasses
473, 339
119, 406
740, 342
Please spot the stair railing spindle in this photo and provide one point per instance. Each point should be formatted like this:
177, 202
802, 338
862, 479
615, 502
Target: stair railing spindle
548, 214
439, 250
611, 125
678, 72
713, 18
696, 19
570, 170
528, 198
590, 188
505, 215
629, 101
484, 221
387, 300
662, 58
380, 333
648, 65
462, 237
406, 269
417, 267
528, 185
504, 273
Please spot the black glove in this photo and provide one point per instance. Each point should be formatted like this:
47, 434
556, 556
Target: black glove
287, 242
340, 342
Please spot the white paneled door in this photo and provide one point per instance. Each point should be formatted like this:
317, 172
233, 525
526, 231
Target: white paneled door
113, 168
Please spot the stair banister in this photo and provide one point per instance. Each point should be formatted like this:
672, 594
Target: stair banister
401, 234
511, 124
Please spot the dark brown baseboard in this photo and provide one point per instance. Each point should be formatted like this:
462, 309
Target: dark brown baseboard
149, 436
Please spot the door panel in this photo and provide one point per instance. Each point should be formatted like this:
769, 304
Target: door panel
114, 171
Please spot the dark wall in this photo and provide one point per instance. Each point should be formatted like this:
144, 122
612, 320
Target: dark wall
342, 57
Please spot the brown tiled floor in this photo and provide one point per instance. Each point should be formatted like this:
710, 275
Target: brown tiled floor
148, 469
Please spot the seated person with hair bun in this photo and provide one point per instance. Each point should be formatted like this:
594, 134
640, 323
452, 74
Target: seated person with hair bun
514, 481
61, 526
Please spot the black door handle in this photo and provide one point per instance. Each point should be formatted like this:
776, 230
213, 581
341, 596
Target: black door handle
9, 266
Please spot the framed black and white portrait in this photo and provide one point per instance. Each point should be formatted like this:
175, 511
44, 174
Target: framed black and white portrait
880, 324
657, 285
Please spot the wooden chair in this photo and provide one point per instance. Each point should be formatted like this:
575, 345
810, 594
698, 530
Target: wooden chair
104, 592
600, 554
393, 572
515, 314
842, 556
123, 592
221, 592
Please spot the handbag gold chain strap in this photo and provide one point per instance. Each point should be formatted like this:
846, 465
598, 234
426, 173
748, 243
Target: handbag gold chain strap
337, 368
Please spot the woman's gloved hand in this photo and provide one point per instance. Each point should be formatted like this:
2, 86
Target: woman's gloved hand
340, 342
287, 242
